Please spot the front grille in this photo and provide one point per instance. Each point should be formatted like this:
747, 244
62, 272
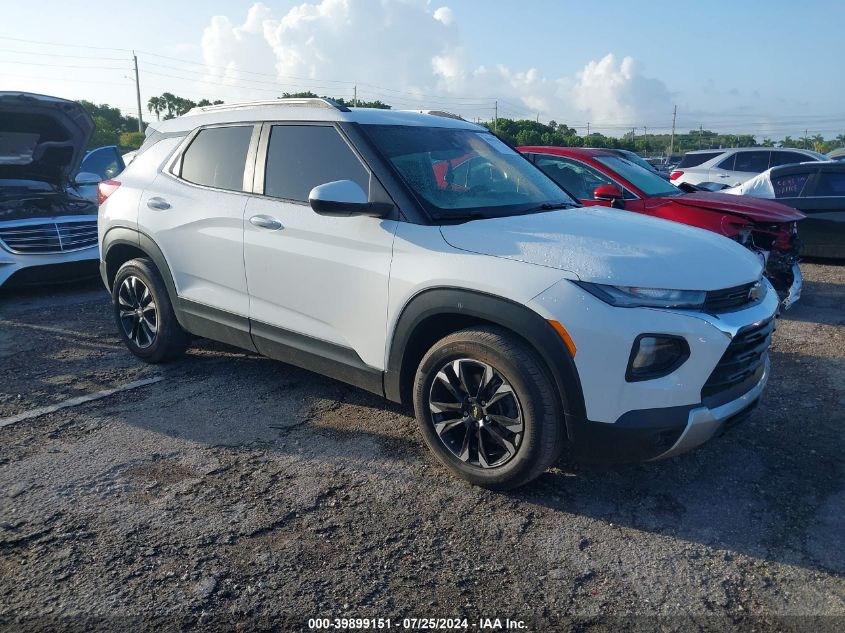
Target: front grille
49, 237
728, 299
742, 360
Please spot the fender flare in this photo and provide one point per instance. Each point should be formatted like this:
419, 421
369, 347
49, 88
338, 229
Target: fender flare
122, 235
516, 317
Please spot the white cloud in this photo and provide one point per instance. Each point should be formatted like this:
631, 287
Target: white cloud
444, 14
617, 92
405, 52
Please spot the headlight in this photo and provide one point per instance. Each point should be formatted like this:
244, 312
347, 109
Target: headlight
632, 297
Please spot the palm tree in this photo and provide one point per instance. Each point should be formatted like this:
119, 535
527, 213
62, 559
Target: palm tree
170, 104
841, 139
156, 104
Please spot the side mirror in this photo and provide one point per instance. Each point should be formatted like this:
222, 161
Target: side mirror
87, 178
609, 193
343, 198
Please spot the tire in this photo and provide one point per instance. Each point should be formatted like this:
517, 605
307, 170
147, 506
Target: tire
153, 334
524, 401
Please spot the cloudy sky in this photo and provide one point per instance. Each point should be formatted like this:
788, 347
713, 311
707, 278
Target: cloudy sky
768, 68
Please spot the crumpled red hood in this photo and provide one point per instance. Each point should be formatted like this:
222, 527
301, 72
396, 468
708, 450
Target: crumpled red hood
755, 209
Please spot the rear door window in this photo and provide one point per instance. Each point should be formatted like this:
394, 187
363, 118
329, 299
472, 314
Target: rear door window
754, 162
728, 163
301, 157
694, 160
217, 157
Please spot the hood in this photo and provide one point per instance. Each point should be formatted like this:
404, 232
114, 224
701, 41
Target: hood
603, 245
755, 209
42, 138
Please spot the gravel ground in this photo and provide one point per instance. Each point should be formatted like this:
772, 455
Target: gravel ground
238, 493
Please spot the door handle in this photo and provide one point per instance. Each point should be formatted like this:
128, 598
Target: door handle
265, 222
158, 203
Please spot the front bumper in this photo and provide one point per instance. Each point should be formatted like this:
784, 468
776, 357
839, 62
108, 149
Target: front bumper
703, 423
655, 434
639, 421
17, 269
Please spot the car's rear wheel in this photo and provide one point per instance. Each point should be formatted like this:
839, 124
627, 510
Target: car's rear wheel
487, 409
144, 314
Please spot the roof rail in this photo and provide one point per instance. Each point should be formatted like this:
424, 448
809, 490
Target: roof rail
443, 113
314, 102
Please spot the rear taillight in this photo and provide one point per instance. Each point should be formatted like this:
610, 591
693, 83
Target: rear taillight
105, 189
675, 174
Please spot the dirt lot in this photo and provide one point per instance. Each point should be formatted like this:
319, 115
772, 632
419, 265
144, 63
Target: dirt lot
239, 493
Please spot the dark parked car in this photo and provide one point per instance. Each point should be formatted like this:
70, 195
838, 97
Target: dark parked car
815, 189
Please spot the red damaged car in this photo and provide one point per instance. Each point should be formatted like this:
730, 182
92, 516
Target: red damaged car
600, 177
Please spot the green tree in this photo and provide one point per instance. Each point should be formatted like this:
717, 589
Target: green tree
156, 105
104, 133
130, 140
344, 102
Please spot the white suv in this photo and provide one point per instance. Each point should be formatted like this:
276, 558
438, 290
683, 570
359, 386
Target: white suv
421, 258
730, 167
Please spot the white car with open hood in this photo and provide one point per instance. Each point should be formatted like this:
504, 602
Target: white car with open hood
419, 257
48, 229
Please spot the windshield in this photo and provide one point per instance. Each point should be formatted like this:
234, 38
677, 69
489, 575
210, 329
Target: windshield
637, 160
460, 173
646, 181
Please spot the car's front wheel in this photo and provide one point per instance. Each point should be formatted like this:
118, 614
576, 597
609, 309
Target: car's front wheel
487, 409
144, 314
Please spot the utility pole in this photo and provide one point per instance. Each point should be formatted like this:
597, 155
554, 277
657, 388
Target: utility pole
495, 114
806, 138
672, 138
588, 128
645, 139
700, 133
355, 96
138, 94
634, 138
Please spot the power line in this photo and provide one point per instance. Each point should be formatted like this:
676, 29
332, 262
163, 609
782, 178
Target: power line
19, 63
43, 43
63, 55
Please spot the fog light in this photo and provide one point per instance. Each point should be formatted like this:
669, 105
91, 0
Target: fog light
655, 356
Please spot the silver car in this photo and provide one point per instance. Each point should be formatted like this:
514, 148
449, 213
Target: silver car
730, 167
48, 227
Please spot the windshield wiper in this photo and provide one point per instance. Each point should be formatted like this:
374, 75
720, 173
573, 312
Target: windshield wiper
550, 206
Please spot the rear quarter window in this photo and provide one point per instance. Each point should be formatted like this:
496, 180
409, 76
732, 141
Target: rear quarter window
694, 160
789, 186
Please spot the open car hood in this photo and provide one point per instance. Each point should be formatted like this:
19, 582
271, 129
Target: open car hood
42, 138
608, 246
755, 209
